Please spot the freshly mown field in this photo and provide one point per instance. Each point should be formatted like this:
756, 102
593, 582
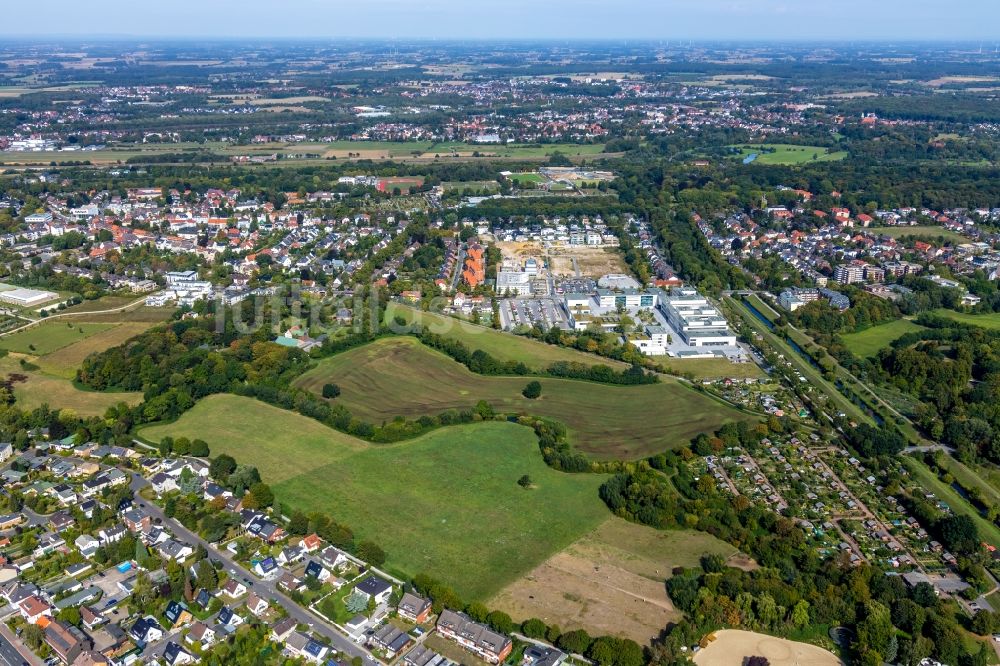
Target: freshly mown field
990, 320
788, 154
502, 346
49, 336
871, 340
402, 377
610, 581
926, 231
447, 504
714, 368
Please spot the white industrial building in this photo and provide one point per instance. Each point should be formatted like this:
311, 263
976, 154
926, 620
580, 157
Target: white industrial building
695, 319
27, 297
513, 282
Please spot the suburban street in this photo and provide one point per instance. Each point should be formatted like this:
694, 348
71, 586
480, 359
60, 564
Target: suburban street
264, 589
10, 654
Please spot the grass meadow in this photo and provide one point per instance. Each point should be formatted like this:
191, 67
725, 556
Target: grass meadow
871, 340
447, 503
402, 377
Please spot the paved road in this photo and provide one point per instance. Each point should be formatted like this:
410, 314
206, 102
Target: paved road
264, 589
12, 652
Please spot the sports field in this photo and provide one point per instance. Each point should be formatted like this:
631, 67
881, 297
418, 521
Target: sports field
502, 346
447, 504
788, 154
402, 377
923, 231
869, 341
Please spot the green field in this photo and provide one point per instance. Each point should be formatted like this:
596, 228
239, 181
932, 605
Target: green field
713, 368
447, 503
787, 154
406, 378
64, 361
989, 320
521, 178
38, 388
50, 336
502, 346
928, 480
923, 231
869, 341
981, 477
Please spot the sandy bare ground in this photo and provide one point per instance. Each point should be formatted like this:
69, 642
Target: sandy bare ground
732, 646
592, 261
571, 591
610, 581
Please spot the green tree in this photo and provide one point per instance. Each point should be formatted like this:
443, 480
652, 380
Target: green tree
576, 641
371, 553
221, 467
875, 630
533, 628
533, 390
330, 391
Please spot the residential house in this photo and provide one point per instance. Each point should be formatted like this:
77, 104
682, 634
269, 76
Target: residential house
175, 655
177, 614
146, 630
300, 645
310, 543
375, 588
228, 618
66, 641
473, 636
201, 634
34, 608
316, 570
136, 521
87, 545
256, 605
282, 629
537, 655
390, 639
424, 656
112, 534
414, 608
175, 550
266, 568
234, 589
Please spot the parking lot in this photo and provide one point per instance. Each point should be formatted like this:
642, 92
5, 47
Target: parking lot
546, 312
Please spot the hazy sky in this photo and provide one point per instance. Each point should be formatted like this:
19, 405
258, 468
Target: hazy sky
832, 20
